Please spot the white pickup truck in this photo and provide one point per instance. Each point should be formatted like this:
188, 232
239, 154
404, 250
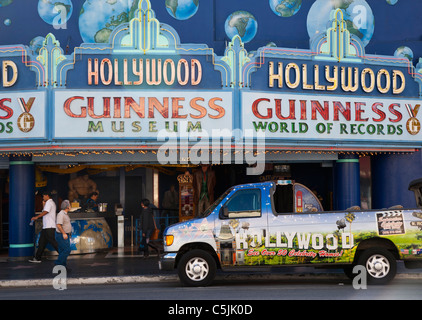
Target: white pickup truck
259, 225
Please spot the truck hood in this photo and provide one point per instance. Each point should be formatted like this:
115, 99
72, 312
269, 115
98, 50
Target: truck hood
192, 230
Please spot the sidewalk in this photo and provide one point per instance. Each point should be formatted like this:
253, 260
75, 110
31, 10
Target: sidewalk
126, 265
117, 265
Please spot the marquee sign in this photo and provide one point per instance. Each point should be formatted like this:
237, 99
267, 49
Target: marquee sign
322, 117
333, 93
16, 68
139, 115
298, 75
22, 115
144, 72
142, 83
145, 81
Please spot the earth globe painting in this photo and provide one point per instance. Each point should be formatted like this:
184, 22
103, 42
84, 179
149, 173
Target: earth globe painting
98, 18
182, 9
404, 52
36, 44
241, 23
285, 8
357, 13
55, 12
4, 3
392, 2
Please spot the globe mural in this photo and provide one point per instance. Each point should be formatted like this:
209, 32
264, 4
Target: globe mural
4, 3
36, 44
285, 8
392, 2
53, 12
98, 18
404, 52
357, 13
88, 235
241, 23
182, 9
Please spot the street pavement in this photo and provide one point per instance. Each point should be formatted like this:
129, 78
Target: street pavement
126, 265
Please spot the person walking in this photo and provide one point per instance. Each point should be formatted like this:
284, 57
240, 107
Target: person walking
63, 233
47, 235
147, 225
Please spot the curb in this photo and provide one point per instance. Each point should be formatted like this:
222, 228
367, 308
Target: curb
174, 278
86, 281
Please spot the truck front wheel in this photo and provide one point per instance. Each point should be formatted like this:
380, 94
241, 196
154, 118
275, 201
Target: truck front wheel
380, 265
196, 268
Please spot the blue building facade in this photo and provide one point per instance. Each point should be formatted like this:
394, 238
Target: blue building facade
326, 93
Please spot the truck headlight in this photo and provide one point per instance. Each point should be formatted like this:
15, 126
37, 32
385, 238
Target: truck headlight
169, 239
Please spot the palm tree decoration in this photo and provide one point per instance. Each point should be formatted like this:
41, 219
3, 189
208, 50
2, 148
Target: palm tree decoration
350, 217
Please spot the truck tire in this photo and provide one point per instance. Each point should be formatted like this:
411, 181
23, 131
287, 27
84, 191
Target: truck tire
380, 265
196, 268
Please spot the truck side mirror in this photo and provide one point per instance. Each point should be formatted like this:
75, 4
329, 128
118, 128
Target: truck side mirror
224, 212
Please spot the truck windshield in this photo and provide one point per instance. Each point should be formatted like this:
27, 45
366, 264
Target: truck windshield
211, 208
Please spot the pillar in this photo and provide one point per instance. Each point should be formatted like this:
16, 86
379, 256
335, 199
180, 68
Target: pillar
346, 182
21, 207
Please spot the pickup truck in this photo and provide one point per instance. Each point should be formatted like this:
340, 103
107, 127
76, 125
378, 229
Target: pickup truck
265, 224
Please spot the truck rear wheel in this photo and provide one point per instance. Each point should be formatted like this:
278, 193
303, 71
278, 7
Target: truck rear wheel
197, 268
380, 265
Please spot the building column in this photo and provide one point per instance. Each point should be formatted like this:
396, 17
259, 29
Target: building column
346, 182
22, 206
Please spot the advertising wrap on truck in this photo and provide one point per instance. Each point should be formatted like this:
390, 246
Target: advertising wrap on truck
256, 225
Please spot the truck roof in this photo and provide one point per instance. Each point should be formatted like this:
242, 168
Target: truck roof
265, 184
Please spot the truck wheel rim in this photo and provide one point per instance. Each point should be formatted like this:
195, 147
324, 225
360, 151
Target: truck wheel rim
197, 269
378, 266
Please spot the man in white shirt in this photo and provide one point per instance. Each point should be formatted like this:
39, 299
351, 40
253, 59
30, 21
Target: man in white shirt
48, 231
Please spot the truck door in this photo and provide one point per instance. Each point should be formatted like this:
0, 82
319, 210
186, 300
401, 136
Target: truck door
241, 228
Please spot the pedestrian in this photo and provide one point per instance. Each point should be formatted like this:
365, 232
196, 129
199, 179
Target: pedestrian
204, 183
63, 233
91, 203
147, 225
171, 200
48, 231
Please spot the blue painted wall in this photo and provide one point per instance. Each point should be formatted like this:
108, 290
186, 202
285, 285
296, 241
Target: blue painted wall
391, 175
394, 25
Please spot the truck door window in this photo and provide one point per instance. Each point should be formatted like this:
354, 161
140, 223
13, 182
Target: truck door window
244, 204
283, 198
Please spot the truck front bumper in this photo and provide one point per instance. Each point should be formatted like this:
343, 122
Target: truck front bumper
167, 261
